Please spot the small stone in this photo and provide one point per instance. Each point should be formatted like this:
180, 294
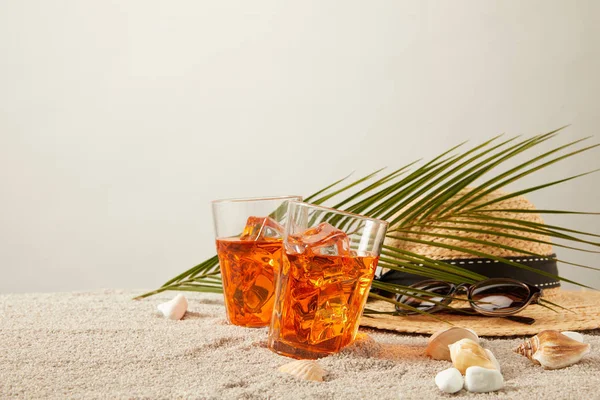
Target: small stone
483, 380
574, 335
175, 308
449, 380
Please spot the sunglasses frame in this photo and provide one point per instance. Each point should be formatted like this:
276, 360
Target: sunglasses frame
534, 296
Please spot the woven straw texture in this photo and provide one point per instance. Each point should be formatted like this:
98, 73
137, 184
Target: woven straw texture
439, 253
583, 304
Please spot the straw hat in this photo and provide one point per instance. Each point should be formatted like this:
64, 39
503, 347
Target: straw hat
585, 305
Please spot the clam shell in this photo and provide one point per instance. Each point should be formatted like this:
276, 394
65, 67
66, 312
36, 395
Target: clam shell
553, 350
437, 347
467, 353
307, 370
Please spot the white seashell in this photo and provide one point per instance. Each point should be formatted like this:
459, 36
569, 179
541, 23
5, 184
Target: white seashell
307, 370
478, 379
466, 353
574, 335
437, 347
493, 359
553, 350
175, 308
449, 380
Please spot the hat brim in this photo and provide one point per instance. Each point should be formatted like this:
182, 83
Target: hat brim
584, 314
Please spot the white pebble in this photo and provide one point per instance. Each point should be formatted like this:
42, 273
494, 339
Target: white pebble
175, 308
478, 379
449, 380
574, 335
493, 359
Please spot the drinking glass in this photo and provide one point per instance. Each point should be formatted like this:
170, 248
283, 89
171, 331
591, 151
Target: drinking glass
249, 234
329, 260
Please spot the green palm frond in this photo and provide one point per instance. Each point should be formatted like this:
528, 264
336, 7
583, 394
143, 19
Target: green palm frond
432, 195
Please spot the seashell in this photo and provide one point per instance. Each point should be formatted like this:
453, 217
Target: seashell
574, 335
481, 380
493, 359
307, 370
437, 347
449, 380
175, 308
466, 353
553, 350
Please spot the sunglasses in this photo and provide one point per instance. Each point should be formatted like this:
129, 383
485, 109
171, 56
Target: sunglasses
496, 297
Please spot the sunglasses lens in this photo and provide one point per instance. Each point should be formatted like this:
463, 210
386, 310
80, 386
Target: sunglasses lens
499, 296
421, 302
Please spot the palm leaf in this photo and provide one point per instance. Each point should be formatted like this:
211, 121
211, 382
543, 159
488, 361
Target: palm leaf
538, 211
414, 197
504, 234
528, 172
511, 222
461, 178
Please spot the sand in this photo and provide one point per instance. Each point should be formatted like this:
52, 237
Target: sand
104, 345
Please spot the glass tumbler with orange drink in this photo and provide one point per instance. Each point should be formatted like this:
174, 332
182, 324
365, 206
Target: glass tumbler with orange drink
329, 259
249, 234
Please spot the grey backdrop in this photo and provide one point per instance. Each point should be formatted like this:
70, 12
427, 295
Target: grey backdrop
121, 120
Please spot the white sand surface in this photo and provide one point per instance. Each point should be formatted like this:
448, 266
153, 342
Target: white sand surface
104, 345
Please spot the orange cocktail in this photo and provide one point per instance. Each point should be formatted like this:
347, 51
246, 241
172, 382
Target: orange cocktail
323, 286
249, 238
322, 306
248, 271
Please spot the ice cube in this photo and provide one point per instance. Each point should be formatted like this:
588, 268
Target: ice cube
332, 313
302, 323
330, 321
250, 270
305, 298
261, 228
322, 240
333, 272
258, 294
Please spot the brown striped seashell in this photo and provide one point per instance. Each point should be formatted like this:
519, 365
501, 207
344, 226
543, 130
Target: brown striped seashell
437, 347
553, 350
466, 353
307, 370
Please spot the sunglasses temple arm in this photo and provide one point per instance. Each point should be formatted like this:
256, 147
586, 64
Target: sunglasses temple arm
520, 319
